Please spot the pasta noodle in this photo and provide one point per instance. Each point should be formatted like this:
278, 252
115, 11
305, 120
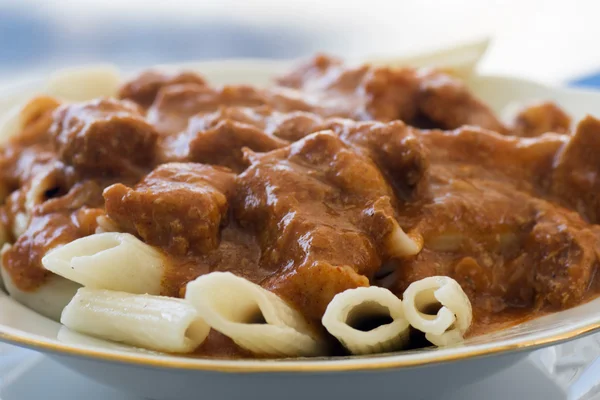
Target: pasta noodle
69, 336
448, 324
15, 120
367, 320
81, 84
21, 220
402, 245
105, 225
48, 300
158, 323
251, 316
112, 260
40, 183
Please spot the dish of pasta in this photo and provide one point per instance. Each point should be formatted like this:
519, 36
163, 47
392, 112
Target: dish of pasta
341, 210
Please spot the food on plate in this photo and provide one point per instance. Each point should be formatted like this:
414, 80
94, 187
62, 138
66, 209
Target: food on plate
367, 320
342, 210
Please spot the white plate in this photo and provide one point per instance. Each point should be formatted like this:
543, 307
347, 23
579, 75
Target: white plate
413, 374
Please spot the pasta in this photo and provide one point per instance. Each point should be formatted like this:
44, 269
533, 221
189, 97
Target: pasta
15, 120
49, 299
80, 84
20, 223
112, 260
158, 323
447, 325
69, 336
367, 320
251, 316
40, 183
460, 60
402, 245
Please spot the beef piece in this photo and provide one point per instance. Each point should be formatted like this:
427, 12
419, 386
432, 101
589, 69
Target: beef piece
362, 93
472, 152
176, 104
395, 149
104, 138
144, 88
540, 118
576, 175
287, 126
328, 88
178, 206
449, 104
563, 251
323, 215
216, 139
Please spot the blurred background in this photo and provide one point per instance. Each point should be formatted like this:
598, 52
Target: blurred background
548, 40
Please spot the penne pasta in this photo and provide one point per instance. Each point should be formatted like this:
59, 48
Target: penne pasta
112, 260
66, 335
251, 316
105, 224
17, 118
367, 320
438, 307
402, 245
84, 83
40, 183
460, 60
157, 323
49, 299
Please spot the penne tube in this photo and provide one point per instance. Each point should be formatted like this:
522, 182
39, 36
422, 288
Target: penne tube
112, 260
40, 184
460, 59
66, 335
17, 118
251, 316
48, 300
157, 323
438, 307
84, 83
367, 320
400, 244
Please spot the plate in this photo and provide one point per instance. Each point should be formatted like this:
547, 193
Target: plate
414, 374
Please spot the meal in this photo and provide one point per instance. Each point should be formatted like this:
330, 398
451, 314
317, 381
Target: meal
341, 210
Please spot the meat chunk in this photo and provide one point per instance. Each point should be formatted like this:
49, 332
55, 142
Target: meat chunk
362, 93
323, 215
104, 138
178, 206
576, 175
471, 152
144, 88
564, 251
449, 104
540, 118
176, 104
395, 149
216, 139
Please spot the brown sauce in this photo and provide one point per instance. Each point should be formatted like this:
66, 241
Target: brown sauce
298, 187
